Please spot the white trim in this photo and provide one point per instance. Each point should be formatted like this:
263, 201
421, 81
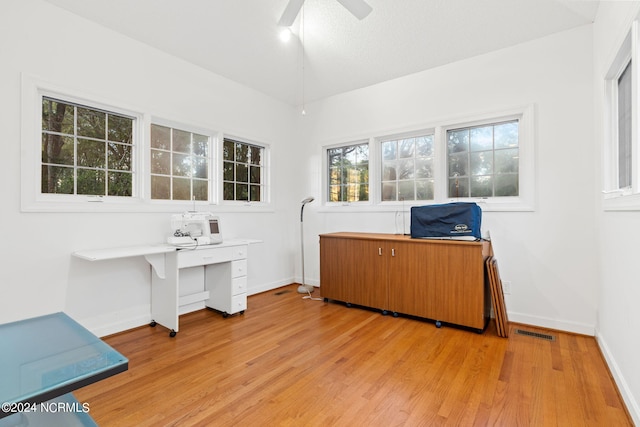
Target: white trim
525, 202
613, 197
265, 204
627, 395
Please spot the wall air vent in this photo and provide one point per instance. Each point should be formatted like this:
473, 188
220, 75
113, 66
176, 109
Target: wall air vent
535, 335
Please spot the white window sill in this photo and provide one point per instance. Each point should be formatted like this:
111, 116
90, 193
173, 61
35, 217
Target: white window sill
618, 201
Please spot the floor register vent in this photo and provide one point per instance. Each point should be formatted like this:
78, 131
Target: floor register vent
535, 335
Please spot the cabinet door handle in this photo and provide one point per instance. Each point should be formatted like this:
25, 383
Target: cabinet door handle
393, 252
379, 251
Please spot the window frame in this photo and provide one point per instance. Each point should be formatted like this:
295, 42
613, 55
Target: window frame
615, 198
325, 175
213, 166
32, 198
379, 141
265, 169
524, 202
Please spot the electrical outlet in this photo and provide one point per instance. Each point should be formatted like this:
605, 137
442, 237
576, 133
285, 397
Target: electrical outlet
506, 287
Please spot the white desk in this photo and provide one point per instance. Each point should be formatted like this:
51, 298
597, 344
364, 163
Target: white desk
224, 271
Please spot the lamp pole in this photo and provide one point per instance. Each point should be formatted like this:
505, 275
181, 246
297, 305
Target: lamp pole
303, 288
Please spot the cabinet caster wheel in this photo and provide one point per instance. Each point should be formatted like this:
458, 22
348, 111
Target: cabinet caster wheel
326, 300
172, 333
153, 324
349, 304
395, 314
438, 324
242, 312
225, 314
385, 312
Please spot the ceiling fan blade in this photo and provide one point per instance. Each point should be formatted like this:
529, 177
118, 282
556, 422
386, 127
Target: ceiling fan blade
290, 13
359, 8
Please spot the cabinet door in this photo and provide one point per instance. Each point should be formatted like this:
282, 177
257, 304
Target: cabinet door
411, 275
458, 283
354, 271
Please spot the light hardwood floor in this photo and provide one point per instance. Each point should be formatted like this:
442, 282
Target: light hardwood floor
294, 362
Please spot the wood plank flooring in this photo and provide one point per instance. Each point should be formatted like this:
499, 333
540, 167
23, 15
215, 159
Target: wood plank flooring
294, 362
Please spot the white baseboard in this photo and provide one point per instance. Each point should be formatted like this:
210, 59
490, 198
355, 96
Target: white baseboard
630, 401
557, 324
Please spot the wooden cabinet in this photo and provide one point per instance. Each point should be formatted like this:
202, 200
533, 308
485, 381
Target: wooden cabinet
442, 280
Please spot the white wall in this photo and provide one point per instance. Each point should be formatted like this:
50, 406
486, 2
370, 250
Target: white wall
38, 274
619, 232
550, 254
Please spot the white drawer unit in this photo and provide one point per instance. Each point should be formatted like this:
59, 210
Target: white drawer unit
213, 274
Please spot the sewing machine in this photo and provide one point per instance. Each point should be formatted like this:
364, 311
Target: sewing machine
195, 228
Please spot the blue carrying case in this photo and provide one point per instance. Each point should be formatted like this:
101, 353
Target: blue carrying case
458, 221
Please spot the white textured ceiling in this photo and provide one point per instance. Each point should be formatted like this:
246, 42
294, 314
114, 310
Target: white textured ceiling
238, 39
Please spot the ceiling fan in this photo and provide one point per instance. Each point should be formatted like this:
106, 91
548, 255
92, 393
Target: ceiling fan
359, 8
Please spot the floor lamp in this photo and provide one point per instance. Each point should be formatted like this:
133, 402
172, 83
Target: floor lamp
303, 288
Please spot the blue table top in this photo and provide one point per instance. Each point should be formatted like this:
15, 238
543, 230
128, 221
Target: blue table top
48, 356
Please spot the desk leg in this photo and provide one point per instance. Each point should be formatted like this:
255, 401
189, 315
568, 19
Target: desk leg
164, 294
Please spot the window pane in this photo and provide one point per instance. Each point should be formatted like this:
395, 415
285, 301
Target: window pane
181, 189
242, 192
424, 146
92, 182
409, 158
181, 141
91, 153
57, 116
348, 173
160, 187
506, 185
200, 145
389, 150
119, 156
200, 189
228, 150
227, 172
57, 149
160, 137
76, 136
228, 191
389, 171
182, 165
120, 183
406, 190
184, 156
458, 141
481, 138
242, 153
406, 147
424, 168
254, 193
424, 190
477, 171
200, 167
405, 169
506, 135
120, 129
481, 163
256, 155
57, 180
624, 128
242, 173
458, 187
160, 163
91, 123
255, 173
388, 191
244, 165
507, 161
458, 164
481, 186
